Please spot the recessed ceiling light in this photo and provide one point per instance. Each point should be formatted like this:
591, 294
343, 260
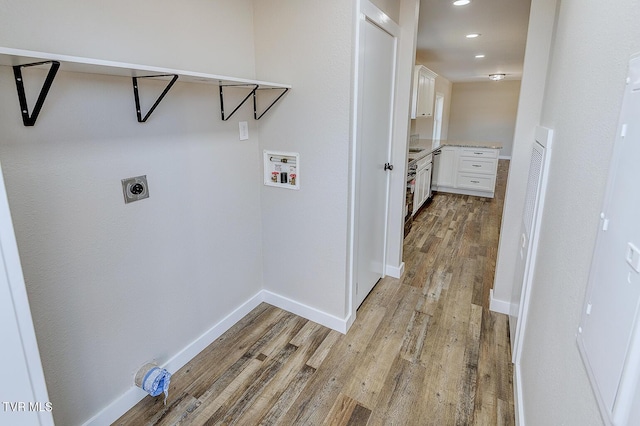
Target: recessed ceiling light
497, 77
473, 35
479, 56
461, 2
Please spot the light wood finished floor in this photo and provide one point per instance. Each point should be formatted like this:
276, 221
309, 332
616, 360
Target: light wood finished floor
424, 350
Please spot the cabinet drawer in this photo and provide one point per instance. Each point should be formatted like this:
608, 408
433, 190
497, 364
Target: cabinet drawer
479, 152
424, 162
477, 165
476, 182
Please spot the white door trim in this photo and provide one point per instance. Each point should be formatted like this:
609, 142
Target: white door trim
27, 356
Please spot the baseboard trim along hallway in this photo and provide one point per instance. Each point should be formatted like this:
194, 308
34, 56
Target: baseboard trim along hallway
497, 305
395, 271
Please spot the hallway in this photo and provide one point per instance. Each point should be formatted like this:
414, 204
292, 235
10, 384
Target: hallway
424, 350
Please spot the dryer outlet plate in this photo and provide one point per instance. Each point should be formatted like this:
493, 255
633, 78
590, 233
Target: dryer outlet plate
135, 189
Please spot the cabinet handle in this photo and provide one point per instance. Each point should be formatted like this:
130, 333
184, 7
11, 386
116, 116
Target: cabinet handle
479, 153
476, 165
475, 181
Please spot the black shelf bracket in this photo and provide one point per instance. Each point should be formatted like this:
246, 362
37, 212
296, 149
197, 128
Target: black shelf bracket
253, 90
255, 103
162, 95
30, 120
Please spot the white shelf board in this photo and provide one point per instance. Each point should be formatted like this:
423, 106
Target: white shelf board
12, 57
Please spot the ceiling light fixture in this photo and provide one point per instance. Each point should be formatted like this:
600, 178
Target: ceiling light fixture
497, 77
461, 2
479, 56
473, 35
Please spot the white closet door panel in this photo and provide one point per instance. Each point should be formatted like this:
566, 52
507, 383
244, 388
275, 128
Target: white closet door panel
609, 332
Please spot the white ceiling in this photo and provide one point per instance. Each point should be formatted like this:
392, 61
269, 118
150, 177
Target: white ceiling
443, 47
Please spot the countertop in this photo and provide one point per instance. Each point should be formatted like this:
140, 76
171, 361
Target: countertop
428, 146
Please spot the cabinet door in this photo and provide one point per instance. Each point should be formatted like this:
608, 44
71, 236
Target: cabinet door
423, 92
427, 183
445, 167
428, 92
418, 198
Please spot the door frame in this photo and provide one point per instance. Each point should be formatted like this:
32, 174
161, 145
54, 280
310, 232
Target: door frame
365, 11
438, 107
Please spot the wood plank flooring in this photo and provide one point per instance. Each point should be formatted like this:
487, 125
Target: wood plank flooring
424, 350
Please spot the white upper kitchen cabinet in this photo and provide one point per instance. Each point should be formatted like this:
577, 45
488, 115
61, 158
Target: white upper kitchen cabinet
424, 83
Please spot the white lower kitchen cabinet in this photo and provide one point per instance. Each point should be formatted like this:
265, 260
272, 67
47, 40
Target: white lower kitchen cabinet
466, 170
444, 167
423, 182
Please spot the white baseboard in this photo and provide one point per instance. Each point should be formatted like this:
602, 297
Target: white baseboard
395, 271
462, 191
497, 305
132, 396
305, 311
518, 406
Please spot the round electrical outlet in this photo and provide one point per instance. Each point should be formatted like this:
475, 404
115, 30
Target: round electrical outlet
136, 189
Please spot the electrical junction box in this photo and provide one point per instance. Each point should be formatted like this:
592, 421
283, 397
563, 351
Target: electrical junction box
282, 169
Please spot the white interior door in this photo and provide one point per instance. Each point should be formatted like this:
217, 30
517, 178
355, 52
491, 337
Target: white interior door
22, 387
377, 66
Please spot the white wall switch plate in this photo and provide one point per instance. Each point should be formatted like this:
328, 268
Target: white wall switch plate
244, 130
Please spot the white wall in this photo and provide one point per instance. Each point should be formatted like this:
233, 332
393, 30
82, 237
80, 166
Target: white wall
409, 11
315, 121
390, 7
485, 111
540, 31
110, 284
585, 84
214, 36
305, 231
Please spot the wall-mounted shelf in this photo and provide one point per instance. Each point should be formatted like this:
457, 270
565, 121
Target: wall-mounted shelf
19, 59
